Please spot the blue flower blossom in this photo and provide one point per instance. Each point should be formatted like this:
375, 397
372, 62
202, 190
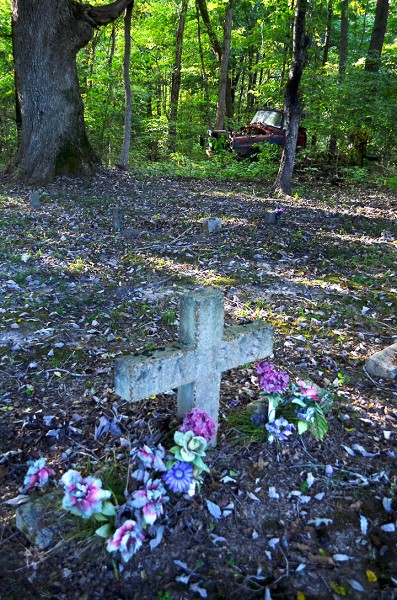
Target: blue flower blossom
179, 477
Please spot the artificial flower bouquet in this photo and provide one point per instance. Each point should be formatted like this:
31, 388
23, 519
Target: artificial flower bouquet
155, 473
290, 406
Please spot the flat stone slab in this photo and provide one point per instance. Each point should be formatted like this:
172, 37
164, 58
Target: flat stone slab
43, 521
195, 364
383, 364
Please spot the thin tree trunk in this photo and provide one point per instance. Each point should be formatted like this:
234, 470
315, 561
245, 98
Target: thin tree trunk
125, 151
327, 37
215, 45
176, 76
372, 64
343, 54
203, 70
344, 39
292, 104
224, 67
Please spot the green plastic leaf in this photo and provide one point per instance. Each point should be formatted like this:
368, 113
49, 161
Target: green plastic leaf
319, 426
105, 531
100, 517
109, 509
302, 427
200, 464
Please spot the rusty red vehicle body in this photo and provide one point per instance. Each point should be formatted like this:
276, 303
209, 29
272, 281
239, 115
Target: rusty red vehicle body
267, 126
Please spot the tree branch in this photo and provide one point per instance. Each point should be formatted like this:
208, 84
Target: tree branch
97, 16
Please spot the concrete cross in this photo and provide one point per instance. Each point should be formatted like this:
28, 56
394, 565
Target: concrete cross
195, 364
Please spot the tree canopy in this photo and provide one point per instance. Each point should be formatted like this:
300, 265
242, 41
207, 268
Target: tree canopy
361, 105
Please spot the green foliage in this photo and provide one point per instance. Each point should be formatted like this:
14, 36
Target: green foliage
359, 104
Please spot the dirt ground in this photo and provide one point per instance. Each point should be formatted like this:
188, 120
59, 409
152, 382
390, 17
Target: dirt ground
74, 294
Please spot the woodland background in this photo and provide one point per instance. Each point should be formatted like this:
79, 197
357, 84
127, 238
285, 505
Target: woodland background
344, 100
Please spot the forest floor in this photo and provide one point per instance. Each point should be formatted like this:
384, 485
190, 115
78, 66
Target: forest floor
74, 295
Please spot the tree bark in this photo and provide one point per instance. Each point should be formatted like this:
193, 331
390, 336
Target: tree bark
218, 51
293, 109
328, 29
344, 39
47, 36
372, 64
203, 70
224, 67
125, 150
176, 76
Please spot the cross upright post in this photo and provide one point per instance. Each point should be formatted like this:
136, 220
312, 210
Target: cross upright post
195, 364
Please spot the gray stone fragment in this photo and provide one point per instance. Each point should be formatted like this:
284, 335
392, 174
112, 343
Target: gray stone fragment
42, 520
212, 225
34, 199
117, 220
383, 364
271, 217
194, 365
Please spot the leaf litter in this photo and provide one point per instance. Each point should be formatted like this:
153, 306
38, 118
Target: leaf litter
75, 294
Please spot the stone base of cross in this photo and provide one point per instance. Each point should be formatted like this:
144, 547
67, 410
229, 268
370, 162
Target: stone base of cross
195, 364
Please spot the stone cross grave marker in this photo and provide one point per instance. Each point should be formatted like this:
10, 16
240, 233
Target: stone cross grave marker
195, 364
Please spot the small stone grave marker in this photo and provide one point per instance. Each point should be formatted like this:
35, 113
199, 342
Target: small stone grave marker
195, 364
383, 364
34, 199
212, 225
117, 219
271, 217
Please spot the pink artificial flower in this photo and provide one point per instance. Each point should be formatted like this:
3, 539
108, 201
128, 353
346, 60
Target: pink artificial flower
127, 539
307, 389
83, 496
270, 380
151, 499
148, 459
200, 423
37, 475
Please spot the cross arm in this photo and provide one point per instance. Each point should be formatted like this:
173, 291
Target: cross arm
140, 376
245, 343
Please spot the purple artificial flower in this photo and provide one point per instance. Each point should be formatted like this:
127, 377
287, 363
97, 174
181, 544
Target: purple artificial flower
37, 474
83, 496
200, 423
329, 470
148, 459
179, 477
127, 539
279, 430
151, 500
270, 380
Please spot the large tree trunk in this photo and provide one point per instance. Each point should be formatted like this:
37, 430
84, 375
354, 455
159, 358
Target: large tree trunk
372, 64
47, 36
292, 104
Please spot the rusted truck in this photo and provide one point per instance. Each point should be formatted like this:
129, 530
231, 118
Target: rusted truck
267, 126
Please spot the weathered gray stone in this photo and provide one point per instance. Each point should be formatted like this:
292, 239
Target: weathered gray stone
383, 364
271, 217
43, 521
212, 225
117, 219
34, 199
195, 364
